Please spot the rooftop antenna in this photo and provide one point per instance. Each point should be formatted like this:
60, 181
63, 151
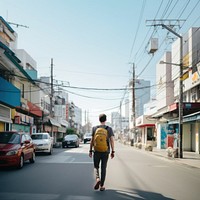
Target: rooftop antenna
17, 25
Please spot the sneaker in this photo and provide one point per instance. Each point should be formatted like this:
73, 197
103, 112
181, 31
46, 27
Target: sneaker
96, 186
102, 188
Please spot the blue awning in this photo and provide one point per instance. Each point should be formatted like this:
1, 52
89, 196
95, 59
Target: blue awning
9, 94
188, 118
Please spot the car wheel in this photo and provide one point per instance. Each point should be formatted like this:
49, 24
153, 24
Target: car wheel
51, 151
21, 162
85, 141
32, 160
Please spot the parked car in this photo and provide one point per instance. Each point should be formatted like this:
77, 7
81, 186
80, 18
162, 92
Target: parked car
15, 149
70, 140
43, 142
87, 137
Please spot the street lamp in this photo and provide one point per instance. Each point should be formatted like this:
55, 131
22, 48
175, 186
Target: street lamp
180, 88
163, 62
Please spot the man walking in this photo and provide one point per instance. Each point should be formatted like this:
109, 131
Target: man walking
102, 140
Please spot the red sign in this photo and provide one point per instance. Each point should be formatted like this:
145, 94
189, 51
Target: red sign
173, 107
170, 141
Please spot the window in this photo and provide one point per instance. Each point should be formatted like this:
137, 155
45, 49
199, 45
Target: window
150, 134
28, 137
23, 138
22, 90
9, 138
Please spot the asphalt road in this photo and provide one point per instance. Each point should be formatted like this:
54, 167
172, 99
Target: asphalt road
68, 175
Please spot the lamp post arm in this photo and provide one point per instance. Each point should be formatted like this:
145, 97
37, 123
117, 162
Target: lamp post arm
170, 30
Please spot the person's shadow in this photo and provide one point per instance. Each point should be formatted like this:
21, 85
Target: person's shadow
133, 195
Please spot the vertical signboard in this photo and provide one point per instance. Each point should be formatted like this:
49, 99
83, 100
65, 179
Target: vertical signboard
163, 129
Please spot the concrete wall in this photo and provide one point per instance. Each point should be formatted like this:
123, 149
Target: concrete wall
165, 86
26, 60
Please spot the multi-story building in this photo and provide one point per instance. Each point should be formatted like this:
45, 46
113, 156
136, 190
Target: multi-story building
127, 104
74, 117
119, 123
24, 101
78, 119
142, 96
167, 115
116, 121
17, 111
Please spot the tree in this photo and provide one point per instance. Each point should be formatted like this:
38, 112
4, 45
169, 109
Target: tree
70, 131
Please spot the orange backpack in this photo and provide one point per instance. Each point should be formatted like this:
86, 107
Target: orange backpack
100, 139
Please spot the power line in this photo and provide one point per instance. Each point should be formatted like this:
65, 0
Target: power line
68, 86
138, 26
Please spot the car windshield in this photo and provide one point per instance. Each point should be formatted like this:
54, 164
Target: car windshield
39, 136
9, 138
88, 134
70, 137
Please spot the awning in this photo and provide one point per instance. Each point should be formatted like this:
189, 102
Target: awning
62, 129
146, 125
34, 109
187, 118
192, 117
5, 119
54, 122
65, 123
160, 112
175, 121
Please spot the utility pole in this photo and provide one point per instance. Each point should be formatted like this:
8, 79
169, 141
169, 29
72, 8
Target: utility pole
120, 117
85, 122
133, 103
88, 126
168, 27
51, 95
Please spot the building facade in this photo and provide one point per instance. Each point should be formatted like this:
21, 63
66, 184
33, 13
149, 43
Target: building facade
142, 96
167, 115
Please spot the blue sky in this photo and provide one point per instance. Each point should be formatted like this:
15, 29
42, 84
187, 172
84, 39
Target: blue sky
93, 42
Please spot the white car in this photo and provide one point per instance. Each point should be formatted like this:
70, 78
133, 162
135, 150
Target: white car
43, 142
87, 137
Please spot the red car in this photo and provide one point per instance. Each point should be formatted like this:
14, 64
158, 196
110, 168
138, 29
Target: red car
15, 149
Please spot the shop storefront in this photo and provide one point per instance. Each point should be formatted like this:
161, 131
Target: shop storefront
5, 118
191, 132
22, 122
146, 130
8, 100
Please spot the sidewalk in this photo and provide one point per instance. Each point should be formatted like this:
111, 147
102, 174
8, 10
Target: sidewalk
191, 159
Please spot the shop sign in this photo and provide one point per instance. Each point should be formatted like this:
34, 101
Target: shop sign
47, 128
19, 118
21, 128
54, 129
